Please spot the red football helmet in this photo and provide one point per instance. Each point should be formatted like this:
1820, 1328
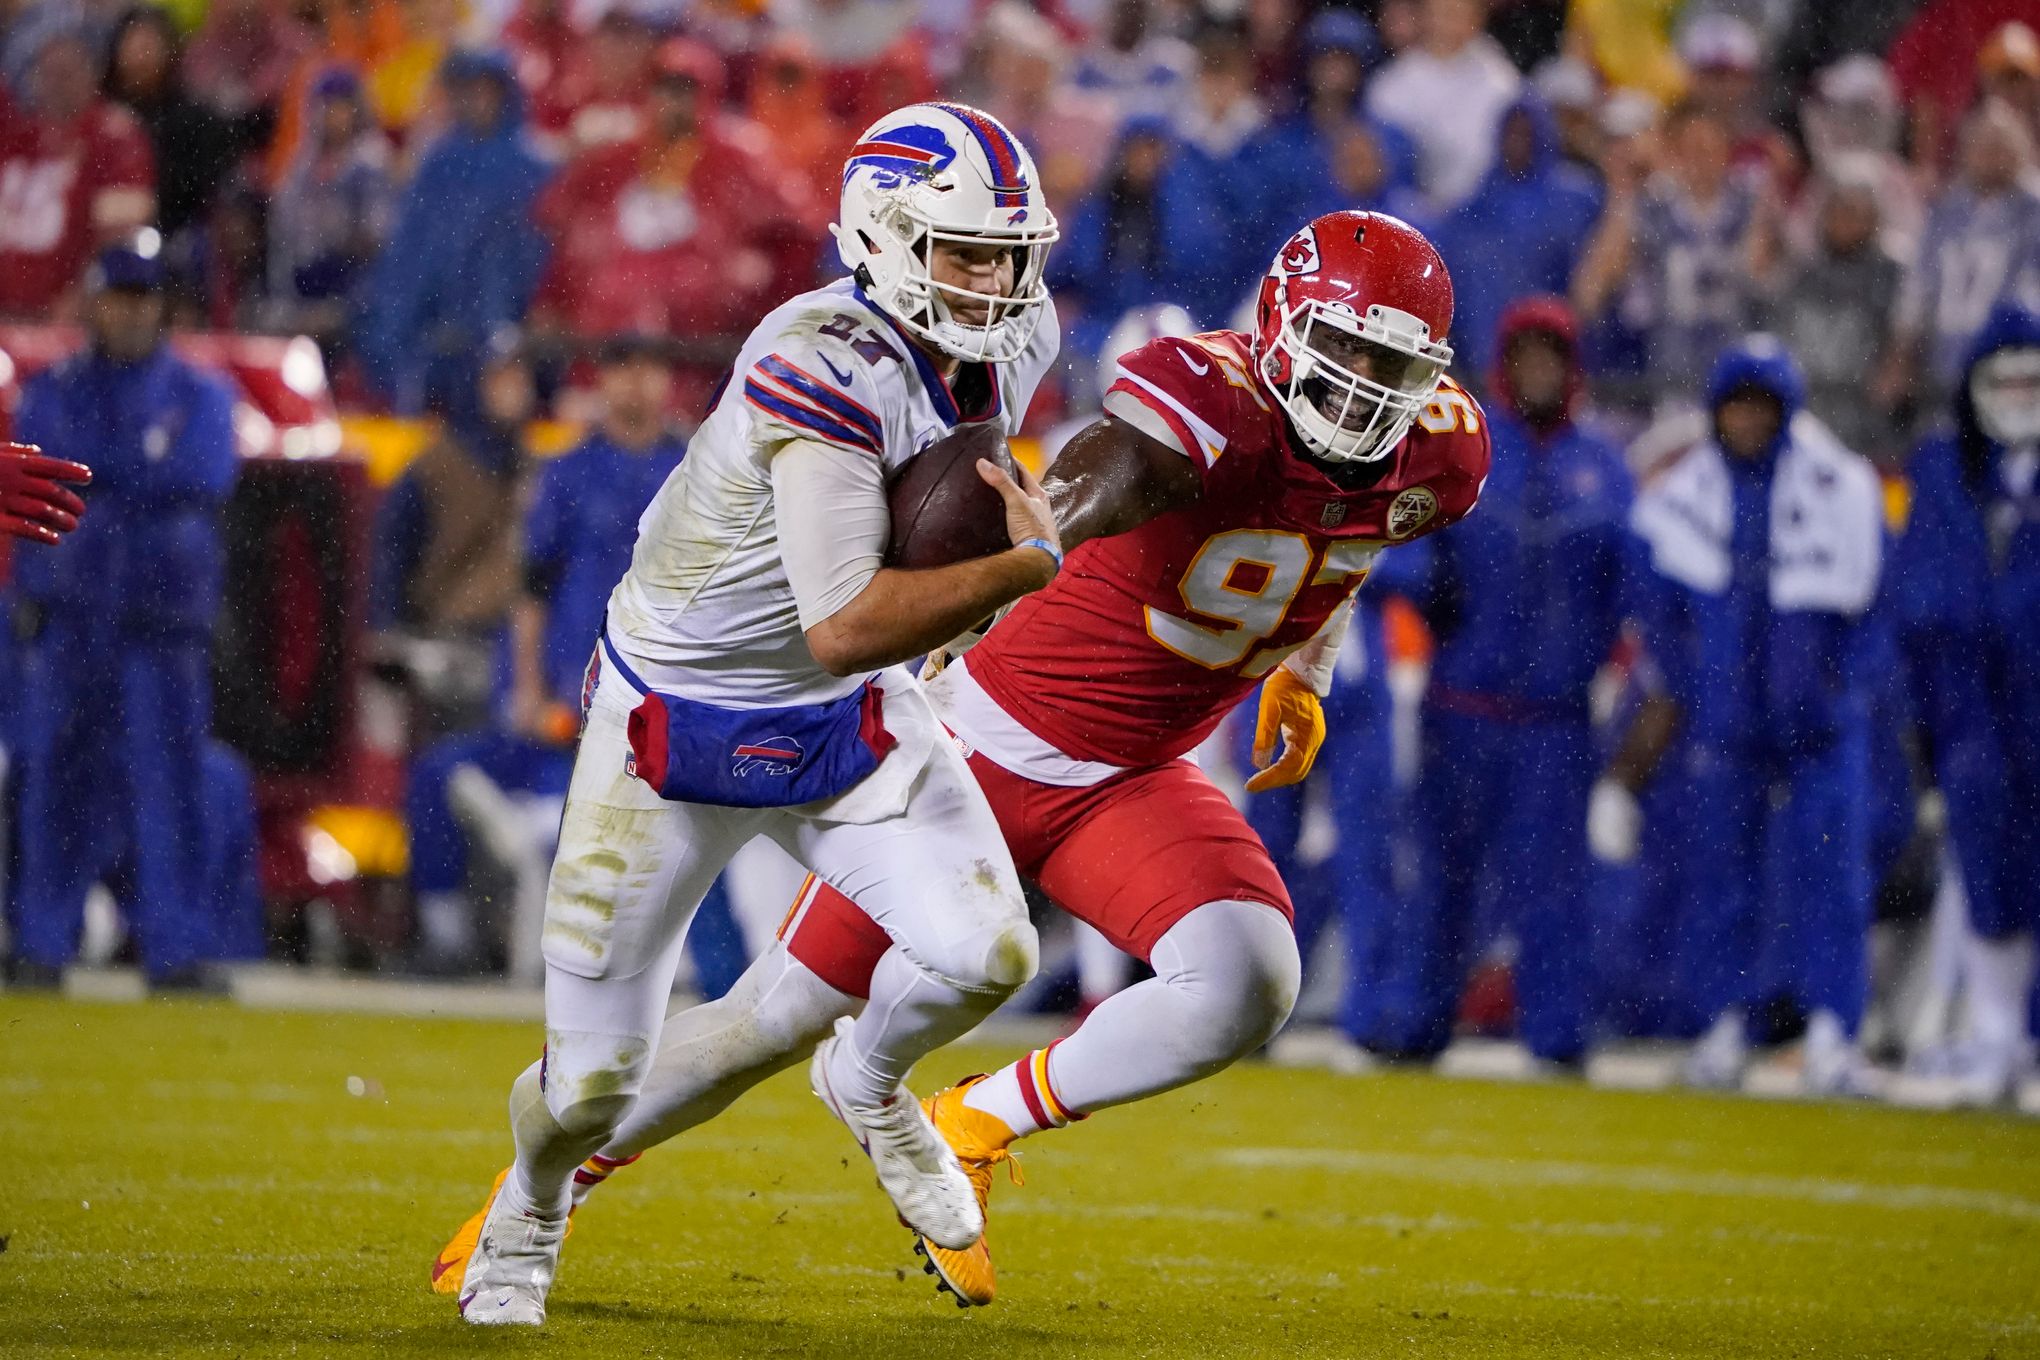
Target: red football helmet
1350, 332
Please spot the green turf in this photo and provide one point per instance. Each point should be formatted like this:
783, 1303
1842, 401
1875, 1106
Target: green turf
189, 1178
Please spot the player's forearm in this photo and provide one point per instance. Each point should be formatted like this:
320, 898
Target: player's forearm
900, 615
1111, 478
1313, 662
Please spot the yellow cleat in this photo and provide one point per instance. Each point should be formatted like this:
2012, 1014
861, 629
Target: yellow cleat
450, 1266
980, 1143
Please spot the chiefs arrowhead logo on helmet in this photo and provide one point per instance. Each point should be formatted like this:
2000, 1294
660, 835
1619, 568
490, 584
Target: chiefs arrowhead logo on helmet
1300, 256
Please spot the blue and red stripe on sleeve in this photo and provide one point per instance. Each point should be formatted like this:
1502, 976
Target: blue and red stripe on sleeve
780, 390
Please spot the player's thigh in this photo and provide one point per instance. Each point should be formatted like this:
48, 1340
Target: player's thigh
835, 939
1145, 850
937, 878
631, 866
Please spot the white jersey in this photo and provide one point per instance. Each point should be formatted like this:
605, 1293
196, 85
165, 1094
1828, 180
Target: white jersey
706, 610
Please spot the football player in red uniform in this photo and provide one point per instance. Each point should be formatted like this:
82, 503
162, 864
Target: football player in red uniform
1229, 504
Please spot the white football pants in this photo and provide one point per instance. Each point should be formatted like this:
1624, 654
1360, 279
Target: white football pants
632, 868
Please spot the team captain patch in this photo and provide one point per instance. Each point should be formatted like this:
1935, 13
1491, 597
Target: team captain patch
1411, 511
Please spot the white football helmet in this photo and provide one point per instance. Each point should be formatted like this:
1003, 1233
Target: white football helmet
932, 173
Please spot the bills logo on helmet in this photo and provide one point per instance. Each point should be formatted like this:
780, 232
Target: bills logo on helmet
1411, 511
772, 756
902, 154
1300, 256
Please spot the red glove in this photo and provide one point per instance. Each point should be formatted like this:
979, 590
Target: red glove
33, 502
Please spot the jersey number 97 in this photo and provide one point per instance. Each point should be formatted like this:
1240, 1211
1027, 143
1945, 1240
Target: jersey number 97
1240, 589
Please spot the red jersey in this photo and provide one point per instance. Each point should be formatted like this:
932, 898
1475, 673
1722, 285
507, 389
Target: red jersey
56, 182
1148, 638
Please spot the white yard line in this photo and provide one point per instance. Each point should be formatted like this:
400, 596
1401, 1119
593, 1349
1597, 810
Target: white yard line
1461, 1169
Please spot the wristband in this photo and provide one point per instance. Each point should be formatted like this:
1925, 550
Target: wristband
1046, 546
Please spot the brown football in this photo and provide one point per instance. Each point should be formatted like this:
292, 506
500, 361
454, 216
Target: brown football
942, 510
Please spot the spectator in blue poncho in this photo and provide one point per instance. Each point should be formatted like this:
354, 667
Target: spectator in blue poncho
1520, 235
464, 255
1302, 153
1145, 235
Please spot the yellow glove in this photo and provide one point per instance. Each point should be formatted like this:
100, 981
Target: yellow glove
1292, 718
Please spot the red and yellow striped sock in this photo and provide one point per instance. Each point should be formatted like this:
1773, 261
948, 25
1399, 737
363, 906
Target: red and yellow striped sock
1023, 1095
596, 1170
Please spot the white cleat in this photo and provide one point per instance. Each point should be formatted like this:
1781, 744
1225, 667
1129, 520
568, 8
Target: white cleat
1831, 1064
916, 1168
1718, 1060
1971, 1073
512, 1268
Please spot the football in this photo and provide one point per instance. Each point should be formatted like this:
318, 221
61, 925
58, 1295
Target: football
942, 510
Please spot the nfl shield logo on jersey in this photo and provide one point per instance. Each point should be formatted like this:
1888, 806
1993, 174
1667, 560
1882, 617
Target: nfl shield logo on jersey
1411, 511
1332, 516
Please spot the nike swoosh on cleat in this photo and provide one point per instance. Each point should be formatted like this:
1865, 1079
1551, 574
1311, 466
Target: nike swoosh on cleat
440, 1267
467, 1299
1199, 369
838, 374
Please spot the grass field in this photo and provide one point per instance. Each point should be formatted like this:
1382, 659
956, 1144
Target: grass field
192, 1178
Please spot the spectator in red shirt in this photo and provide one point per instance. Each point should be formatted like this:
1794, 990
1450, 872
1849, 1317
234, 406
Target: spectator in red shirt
75, 172
601, 98
688, 230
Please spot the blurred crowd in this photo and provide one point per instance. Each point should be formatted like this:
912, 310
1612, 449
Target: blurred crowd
405, 178
456, 197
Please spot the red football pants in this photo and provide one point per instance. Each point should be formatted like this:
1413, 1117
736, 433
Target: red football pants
1131, 856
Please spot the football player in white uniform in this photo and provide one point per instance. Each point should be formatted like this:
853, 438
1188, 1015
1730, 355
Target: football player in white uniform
749, 683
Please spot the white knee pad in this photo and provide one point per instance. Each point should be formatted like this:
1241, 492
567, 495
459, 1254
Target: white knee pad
1011, 957
1238, 960
591, 1080
994, 960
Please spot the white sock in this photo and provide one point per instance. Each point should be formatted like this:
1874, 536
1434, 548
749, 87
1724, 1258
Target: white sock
598, 1168
564, 1108
911, 1014
2000, 978
546, 1155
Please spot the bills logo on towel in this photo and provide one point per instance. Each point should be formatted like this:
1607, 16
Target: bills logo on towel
772, 756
